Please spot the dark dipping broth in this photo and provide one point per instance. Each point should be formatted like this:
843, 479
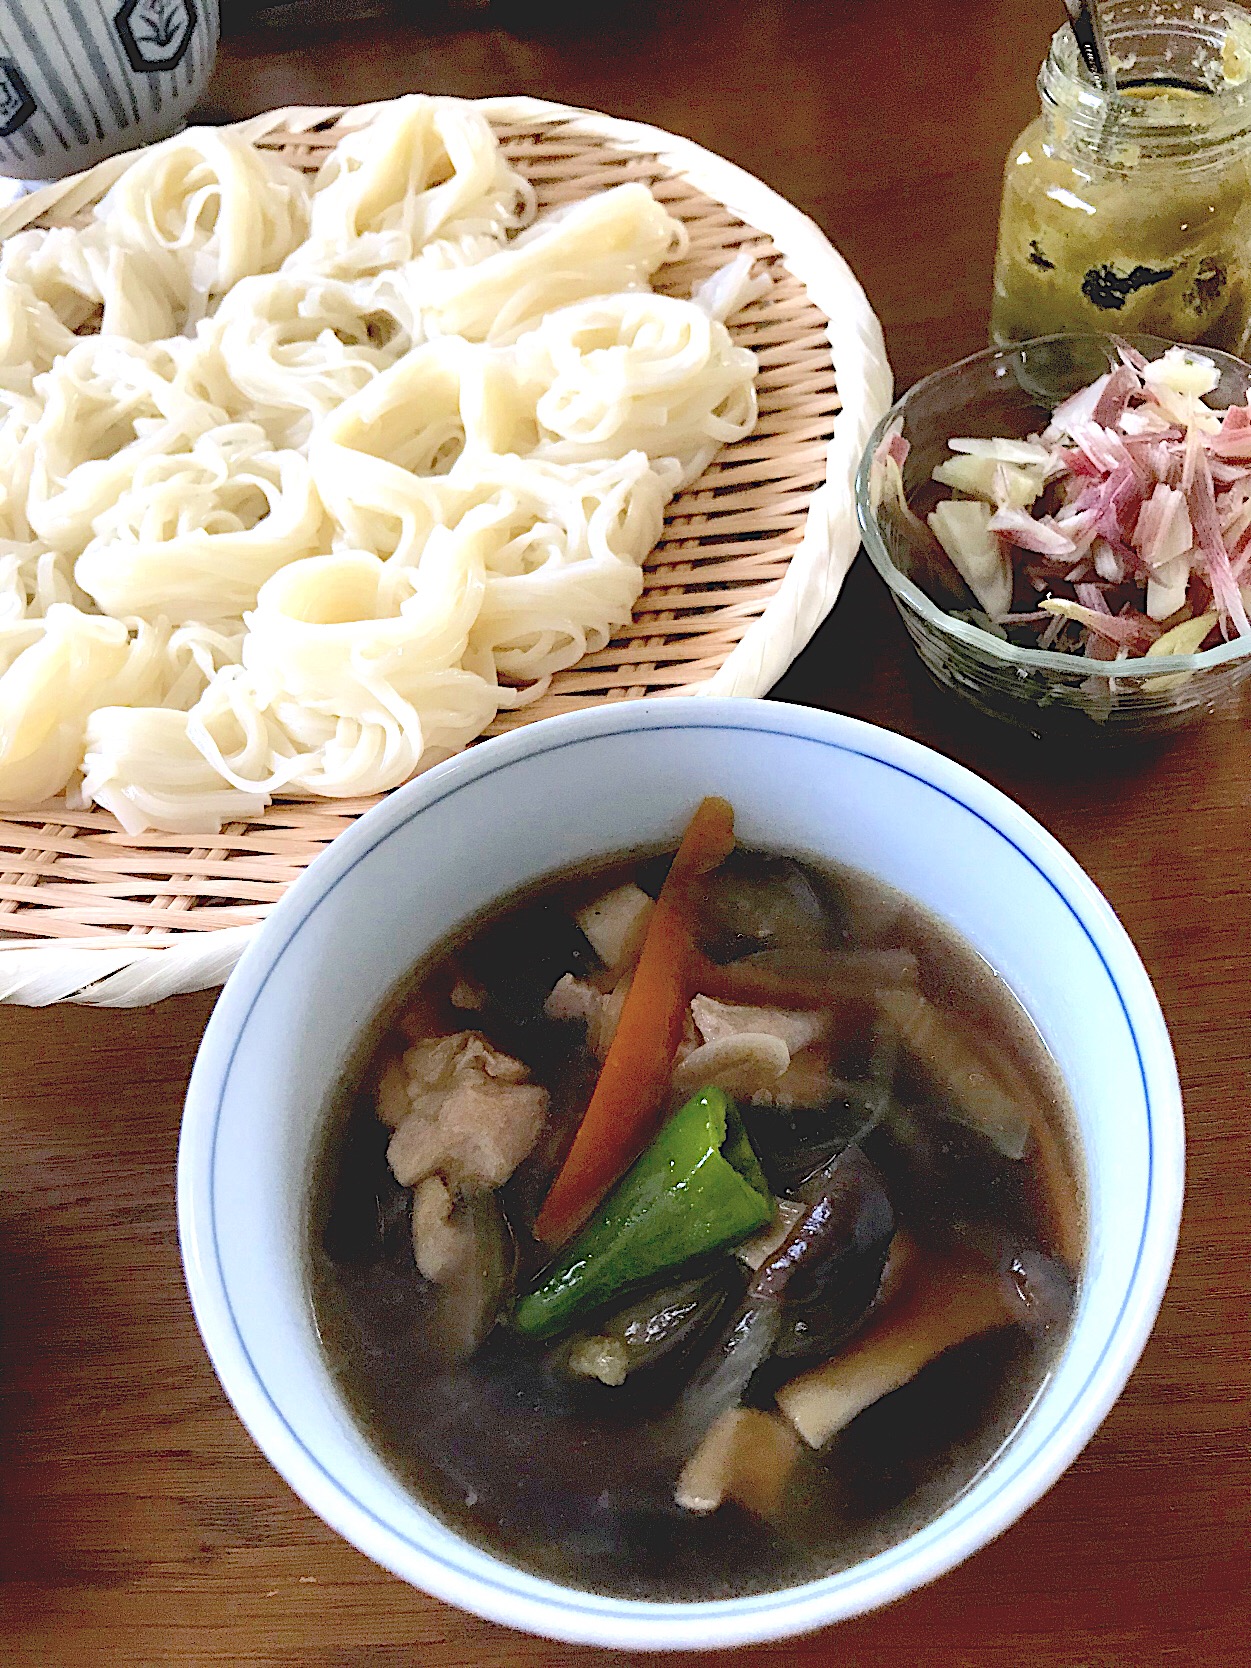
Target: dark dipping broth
574, 1479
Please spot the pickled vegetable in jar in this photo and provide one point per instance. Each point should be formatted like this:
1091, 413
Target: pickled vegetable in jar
1132, 213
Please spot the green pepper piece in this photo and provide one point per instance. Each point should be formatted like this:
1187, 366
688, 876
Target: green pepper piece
698, 1187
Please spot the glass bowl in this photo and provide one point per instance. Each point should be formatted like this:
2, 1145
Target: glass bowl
1011, 391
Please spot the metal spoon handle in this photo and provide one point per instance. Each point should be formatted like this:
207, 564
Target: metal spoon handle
1092, 42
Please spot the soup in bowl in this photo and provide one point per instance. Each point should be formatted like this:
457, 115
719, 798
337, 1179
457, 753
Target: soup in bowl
682, 1174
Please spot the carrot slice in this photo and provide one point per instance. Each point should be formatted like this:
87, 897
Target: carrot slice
633, 1085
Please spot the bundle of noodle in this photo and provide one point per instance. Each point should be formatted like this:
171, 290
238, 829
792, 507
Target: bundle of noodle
31, 336
195, 535
349, 697
93, 284
107, 406
565, 564
424, 168
287, 349
176, 766
613, 241
373, 457
17, 460
225, 208
643, 371
51, 685
141, 765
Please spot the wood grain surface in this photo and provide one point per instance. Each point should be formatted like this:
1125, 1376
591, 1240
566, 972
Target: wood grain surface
138, 1525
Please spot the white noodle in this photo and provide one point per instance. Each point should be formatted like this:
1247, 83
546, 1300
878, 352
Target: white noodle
300, 484
424, 168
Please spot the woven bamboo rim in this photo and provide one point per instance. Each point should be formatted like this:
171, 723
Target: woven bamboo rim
751, 560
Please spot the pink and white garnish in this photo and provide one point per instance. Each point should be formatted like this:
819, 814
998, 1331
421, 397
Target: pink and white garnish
1123, 529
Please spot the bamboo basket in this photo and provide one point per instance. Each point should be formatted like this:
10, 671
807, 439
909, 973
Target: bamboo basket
751, 560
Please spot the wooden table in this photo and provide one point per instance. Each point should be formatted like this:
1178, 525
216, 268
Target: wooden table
138, 1525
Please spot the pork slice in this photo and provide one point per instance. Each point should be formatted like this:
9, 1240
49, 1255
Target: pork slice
479, 1137
474, 1115
717, 1020
574, 999
740, 1064
440, 1243
807, 1081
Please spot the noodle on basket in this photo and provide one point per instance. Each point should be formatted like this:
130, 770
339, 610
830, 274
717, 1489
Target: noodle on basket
303, 480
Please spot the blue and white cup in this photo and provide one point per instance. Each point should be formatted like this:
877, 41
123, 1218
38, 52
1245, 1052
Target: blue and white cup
81, 79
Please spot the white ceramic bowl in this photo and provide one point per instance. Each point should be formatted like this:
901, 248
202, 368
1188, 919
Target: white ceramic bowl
527, 805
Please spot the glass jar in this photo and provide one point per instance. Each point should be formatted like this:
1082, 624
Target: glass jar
1133, 214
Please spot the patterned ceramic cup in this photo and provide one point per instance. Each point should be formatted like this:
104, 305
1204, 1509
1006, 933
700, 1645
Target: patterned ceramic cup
81, 79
